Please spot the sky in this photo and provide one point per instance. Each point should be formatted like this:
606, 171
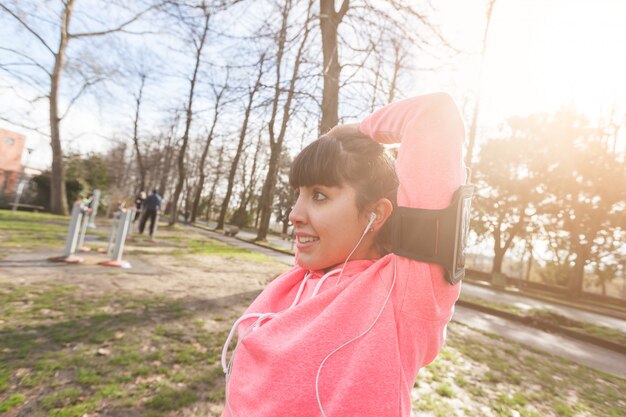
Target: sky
542, 55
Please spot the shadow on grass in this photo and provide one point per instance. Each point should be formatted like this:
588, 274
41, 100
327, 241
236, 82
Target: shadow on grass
56, 344
97, 328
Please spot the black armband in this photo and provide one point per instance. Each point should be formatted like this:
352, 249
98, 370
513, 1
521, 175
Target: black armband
435, 236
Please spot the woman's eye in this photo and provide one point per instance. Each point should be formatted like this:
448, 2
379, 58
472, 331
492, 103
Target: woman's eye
317, 196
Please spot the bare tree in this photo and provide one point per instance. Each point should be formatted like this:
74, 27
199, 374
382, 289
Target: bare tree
277, 138
218, 176
140, 164
330, 19
242, 137
167, 155
207, 143
58, 200
403, 18
198, 43
240, 217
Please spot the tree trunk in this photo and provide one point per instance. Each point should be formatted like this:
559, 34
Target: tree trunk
205, 152
218, 175
497, 261
242, 137
183, 149
499, 249
140, 165
577, 274
267, 195
529, 266
276, 143
58, 196
329, 23
167, 163
247, 193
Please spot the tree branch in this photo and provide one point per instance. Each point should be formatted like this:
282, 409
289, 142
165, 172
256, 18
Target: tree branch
27, 28
26, 57
119, 28
343, 10
33, 129
84, 87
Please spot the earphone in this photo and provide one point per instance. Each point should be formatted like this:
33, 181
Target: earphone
369, 224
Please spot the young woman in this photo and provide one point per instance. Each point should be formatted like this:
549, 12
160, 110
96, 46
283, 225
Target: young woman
345, 331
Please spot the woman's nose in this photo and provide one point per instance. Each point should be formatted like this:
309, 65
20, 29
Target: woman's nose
297, 214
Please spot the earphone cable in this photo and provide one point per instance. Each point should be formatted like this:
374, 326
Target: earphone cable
319, 370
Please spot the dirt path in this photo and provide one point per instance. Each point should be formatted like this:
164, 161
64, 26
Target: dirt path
196, 276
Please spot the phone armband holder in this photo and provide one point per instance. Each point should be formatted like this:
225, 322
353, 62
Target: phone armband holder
435, 236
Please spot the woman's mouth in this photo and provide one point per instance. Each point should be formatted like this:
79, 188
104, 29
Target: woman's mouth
306, 241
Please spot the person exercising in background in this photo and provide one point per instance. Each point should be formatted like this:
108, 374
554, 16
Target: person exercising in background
138, 204
151, 207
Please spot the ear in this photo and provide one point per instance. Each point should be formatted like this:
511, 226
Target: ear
383, 209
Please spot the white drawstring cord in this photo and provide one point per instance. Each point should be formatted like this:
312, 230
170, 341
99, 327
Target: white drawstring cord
319, 284
260, 317
319, 370
296, 300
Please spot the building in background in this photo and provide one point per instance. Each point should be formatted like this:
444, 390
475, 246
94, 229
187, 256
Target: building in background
11, 150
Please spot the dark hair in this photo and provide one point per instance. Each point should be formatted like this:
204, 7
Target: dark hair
354, 160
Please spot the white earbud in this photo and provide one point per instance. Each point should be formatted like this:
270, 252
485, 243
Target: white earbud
369, 224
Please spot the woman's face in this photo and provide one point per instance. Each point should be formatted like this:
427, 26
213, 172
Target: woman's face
328, 225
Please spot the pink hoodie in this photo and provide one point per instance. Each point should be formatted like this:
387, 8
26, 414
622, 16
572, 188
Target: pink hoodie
278, 358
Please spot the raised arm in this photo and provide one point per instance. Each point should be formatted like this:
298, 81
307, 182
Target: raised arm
430, 131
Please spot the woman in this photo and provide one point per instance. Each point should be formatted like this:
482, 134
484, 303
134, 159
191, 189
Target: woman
345, 331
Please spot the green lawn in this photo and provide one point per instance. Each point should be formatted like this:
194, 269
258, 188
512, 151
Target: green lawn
67, 355
25, 230
480, 374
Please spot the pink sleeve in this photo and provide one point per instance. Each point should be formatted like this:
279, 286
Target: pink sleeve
431, 133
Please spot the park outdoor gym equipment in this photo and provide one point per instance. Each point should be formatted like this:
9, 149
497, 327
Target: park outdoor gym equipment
75, 234
122, 221
82, 218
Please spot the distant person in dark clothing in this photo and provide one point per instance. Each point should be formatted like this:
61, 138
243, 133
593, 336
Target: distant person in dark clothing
151, 208
138, 203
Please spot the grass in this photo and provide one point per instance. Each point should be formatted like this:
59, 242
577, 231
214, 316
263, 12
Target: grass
12, 401
212, 247
22, 229
270, 245
493, 377
30, 230
601, 332
146, 353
